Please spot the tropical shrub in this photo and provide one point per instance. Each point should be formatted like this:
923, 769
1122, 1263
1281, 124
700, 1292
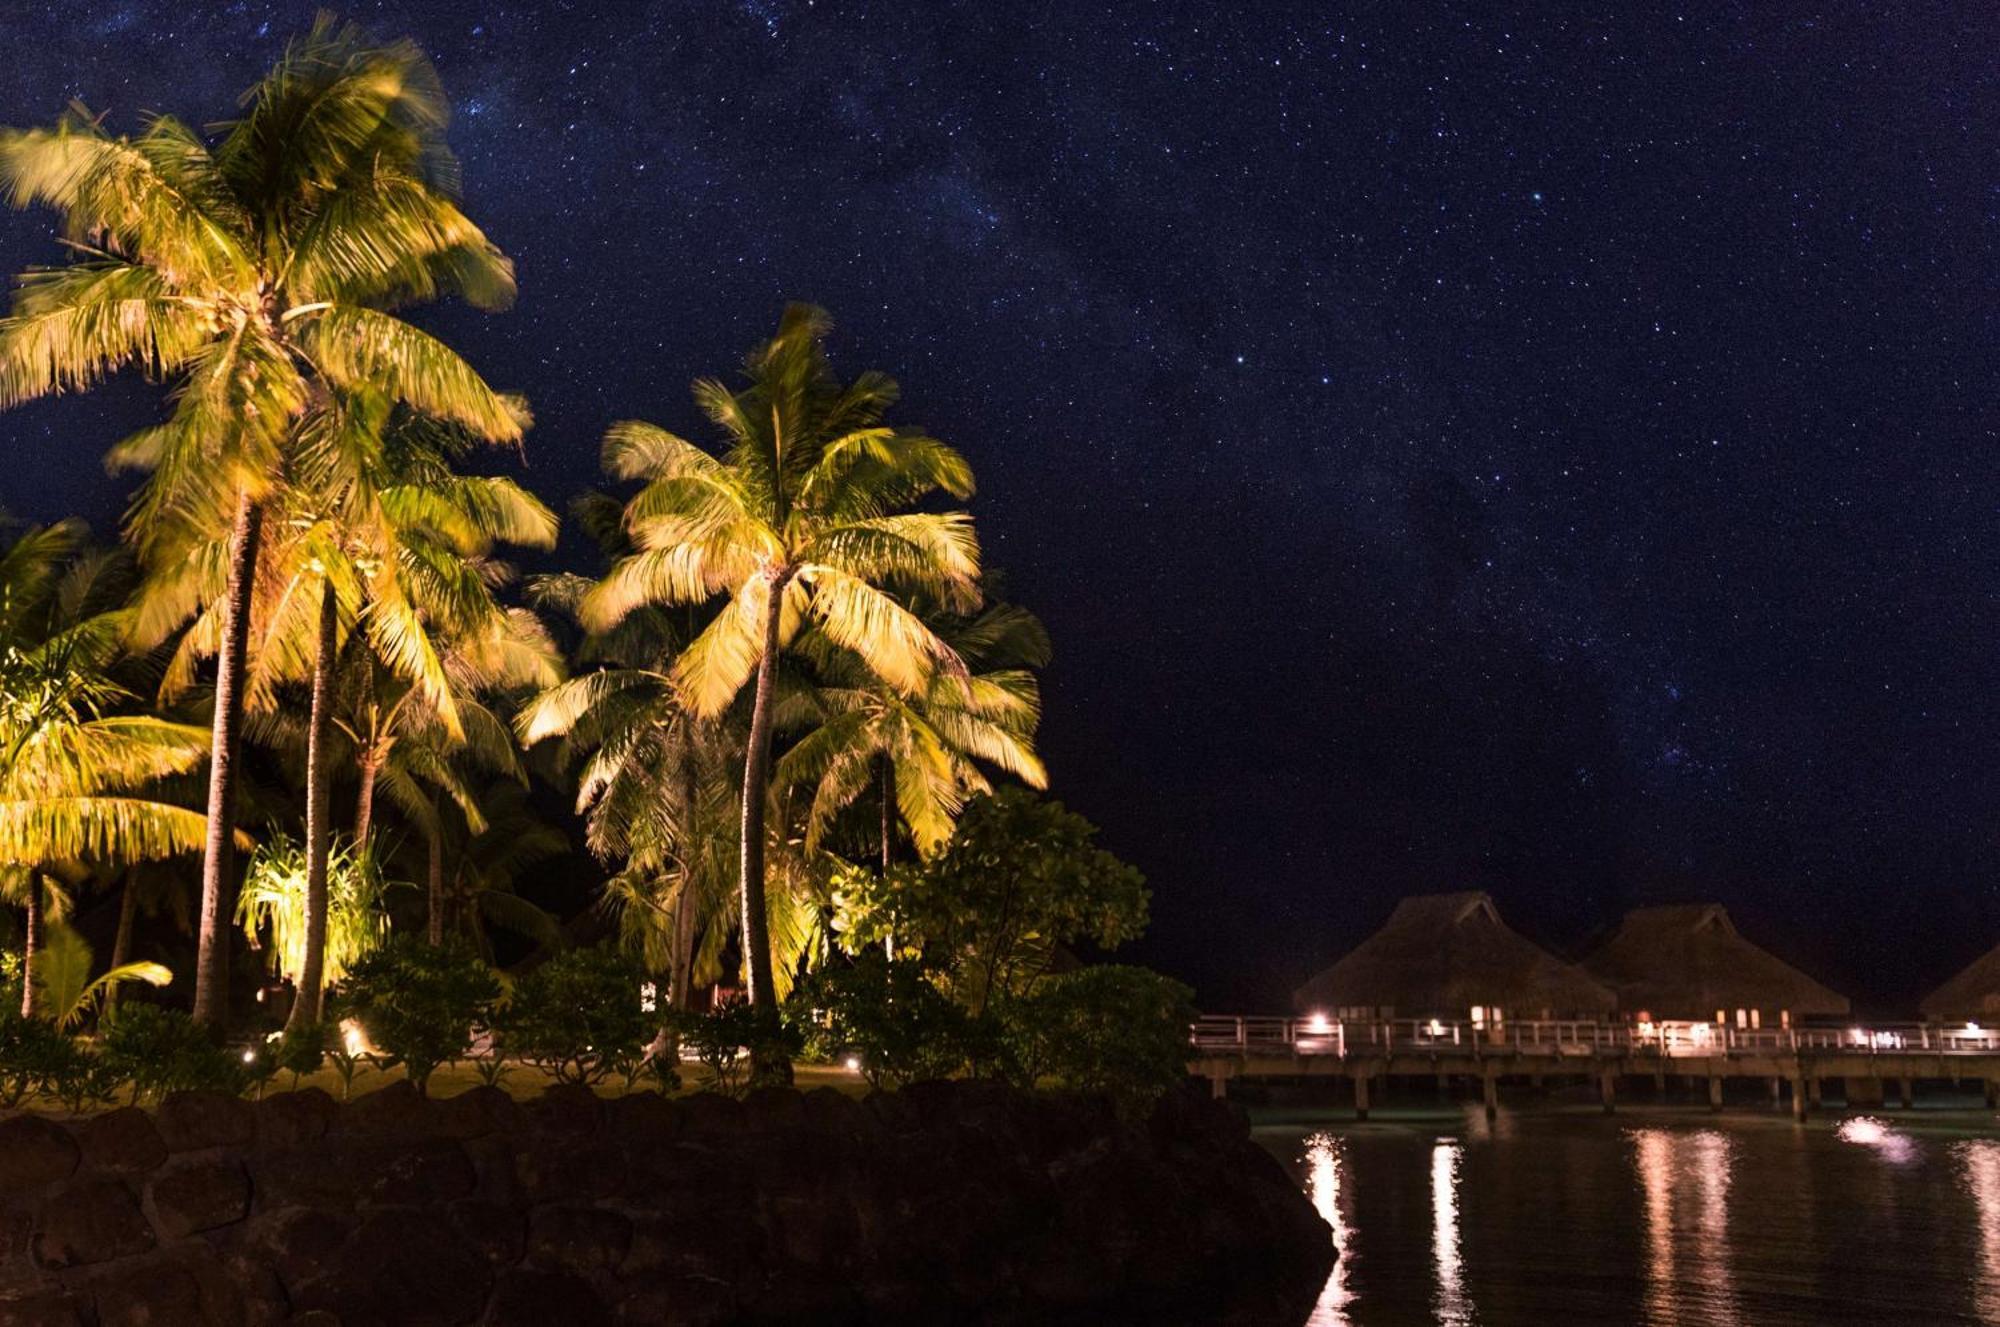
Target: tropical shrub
273, 904
1020, 878
300, 1050
420, 1003
729, 1038
33, 1055
889, 1019
1119, 1030
578, 1018
164, 1050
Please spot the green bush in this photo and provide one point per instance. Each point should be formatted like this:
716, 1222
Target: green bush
730, 1037
1119, 1030
420, 1003
301, 1050
163, 1050
889, 1018
577, 1017
36, 1057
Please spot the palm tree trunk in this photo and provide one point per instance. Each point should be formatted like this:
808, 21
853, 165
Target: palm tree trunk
435, 929
680, 994
31, 947
364, 801
888, 843
756, 788
319, 801
121, 940
211, 968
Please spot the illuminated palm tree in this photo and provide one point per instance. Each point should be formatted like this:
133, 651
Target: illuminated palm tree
256, 275
68, 764
392, 545
925, 750
655, 785
800, 520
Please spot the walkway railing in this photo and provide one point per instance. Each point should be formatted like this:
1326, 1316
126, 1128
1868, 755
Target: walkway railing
1561, 1038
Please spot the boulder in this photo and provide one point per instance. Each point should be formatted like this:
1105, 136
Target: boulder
34, 1154
190, 1121
91, 1221
123, 1142
286, 1119
584, 1238
198, 1194
525, 1297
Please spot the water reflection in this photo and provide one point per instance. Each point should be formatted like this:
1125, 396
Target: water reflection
1685, 1180
1866, 1131
1323, 1170
1981, 1163
1453, 1307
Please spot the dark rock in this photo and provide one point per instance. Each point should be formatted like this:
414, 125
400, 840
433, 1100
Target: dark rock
186, 1288
400, 1266
298, 1243
91, 1221
423, 1173
712, 1113
397, 1110
190, 1121
477, 1113
497, 1231
123, 1141
645, 1118
39, 1308
287, 1119
198, 1194
34, 1153
566, 1108
678, 1302
770, 1109
579, 1237
525, 1297
723, 1245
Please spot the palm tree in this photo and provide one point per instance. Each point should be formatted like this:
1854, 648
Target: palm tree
479, 893
257, 275
798, 521
924, 750
67, 763
399, 546
655, 786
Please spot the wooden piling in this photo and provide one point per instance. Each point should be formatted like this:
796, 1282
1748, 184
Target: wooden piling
1361, 1096
1607, 1091
1492, 1093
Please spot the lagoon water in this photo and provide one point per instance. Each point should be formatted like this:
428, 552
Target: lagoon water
1659, 1216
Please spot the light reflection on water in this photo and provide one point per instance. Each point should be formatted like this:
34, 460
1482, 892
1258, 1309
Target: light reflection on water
1323, 1187
1687, 1242
1656, 1217
1980, 1161
1453, 1307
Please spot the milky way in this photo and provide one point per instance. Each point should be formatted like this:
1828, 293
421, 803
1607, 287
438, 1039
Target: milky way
1535, 448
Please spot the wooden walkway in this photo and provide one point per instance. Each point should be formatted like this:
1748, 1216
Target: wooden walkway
1874, 1063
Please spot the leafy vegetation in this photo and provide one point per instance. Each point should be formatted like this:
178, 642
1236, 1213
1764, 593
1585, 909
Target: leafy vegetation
578, 1018
788, 707
421, 1003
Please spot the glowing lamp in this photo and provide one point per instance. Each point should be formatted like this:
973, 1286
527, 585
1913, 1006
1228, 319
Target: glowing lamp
1317, 1025
854, 1064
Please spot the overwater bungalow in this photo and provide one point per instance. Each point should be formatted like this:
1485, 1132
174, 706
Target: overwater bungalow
1450, 956
1688, 962
1973, 996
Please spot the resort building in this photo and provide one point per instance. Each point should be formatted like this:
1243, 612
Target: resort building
1689, 963
1450, 956
1973, 996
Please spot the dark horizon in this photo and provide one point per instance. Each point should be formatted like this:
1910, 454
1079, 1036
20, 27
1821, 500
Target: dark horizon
1551, 453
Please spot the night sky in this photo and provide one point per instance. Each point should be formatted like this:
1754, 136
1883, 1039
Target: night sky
1549, 451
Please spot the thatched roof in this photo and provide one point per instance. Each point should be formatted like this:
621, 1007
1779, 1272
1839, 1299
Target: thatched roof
1973, 995
1687, 961
1441, 954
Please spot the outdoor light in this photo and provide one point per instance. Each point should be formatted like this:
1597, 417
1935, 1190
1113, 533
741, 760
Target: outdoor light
854, 1064
1436, 1028
1972, 1029
250, 1056
352, 1039
1317, 1024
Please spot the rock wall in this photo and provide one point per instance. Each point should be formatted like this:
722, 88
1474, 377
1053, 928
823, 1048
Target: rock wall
946, 1202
